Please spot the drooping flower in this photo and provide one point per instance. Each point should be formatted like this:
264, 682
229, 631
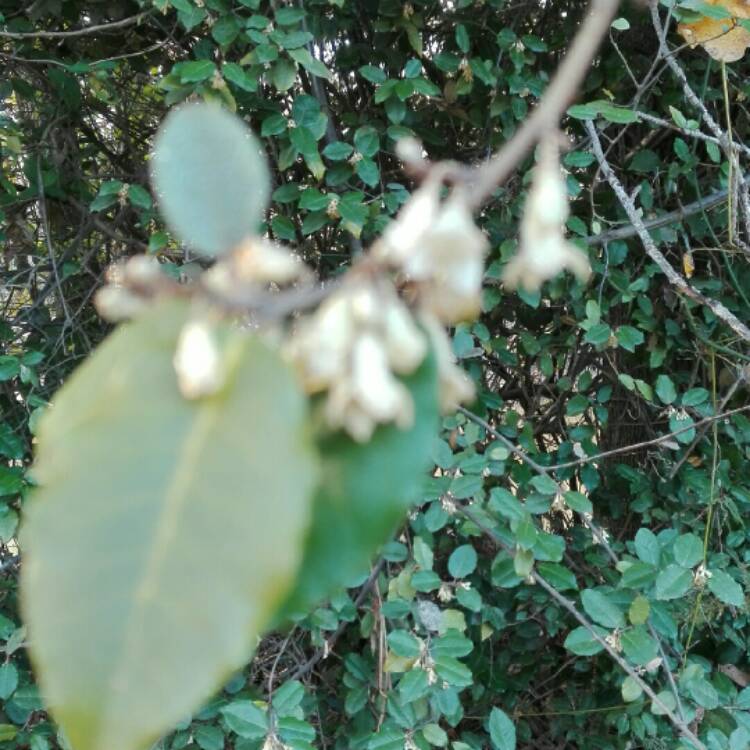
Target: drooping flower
130, 286
197, 361
544, 252
256, 262
354, 346
438, 248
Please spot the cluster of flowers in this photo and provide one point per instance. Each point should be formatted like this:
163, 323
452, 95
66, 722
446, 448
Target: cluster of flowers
391, 308
364, 336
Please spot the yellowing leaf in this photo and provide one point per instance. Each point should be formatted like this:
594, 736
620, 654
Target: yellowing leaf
688, 265
722, 38
163, 535
397, 664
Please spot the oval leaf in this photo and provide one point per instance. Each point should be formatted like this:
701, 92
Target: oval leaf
365, 492
161, 540
210, 176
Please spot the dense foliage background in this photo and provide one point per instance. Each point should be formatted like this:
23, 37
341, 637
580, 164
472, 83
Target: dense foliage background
615, 364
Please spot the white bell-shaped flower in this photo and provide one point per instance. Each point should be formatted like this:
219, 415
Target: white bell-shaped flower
320, 347
544, 252
453, 262
438, 247
354, 346
197, 361
256, 262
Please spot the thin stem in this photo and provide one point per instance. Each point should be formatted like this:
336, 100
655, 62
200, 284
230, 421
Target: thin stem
730, 155
102, 27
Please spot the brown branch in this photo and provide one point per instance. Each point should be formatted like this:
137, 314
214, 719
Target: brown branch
679, 214
321, 653
539, 468
559, 94
652, 250
102, 27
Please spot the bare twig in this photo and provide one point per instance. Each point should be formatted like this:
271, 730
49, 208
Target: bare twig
653, 252
621, 233
539, 468
99, 28
321, 653
566, 604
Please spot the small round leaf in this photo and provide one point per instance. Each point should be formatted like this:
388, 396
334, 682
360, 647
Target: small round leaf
210, 177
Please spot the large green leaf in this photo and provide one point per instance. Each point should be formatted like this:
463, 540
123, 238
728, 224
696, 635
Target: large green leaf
165, 532
366, 490
210, 177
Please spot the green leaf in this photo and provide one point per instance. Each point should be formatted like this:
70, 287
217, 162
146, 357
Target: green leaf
197, 71
638, 575
462, 38
639, 610
629, 338
403, 643
245, 719
373, 74
619, 115
557, 575
647, 547
726, 589
703, 693
435, 735
8, 680
367, 140
283, 74
289, 16
453, 671
127, 647
234, 73
666, 699
275, 124
139, 197
210, 178
673, 582
578, 502
208, 737
288, 697
638, 645
631, 690
502, 730
367, 171
10, 367
365, 493
338, 151
665, 389
688, 550
584, 111
581, 642
598, 335
601, 610
413, 685
463, 561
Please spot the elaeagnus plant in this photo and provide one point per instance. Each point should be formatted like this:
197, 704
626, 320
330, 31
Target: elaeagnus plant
282, 424
239, 448
235, 453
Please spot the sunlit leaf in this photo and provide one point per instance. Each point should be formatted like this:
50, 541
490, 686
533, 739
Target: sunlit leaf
162, 536
210, 178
